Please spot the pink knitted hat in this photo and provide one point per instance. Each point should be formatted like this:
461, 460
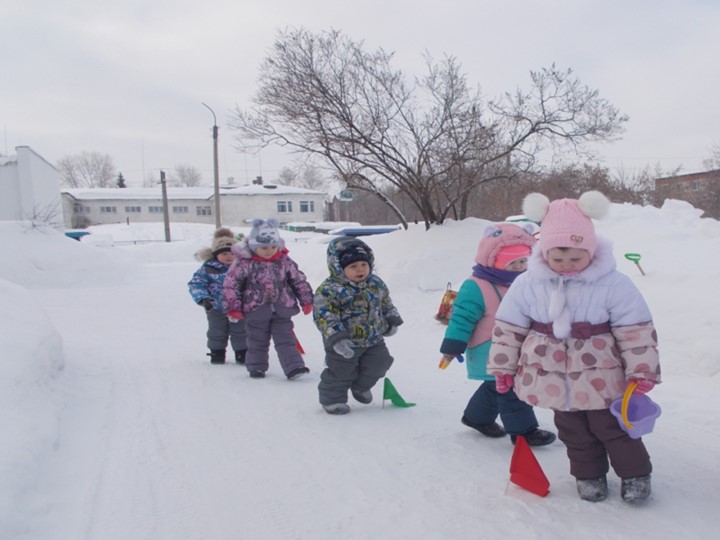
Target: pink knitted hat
566, 222
508, 254
500, 235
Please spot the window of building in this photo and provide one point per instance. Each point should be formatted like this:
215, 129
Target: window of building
132, 209
180, 209
284, 207
79, 209
307, 206
204, 211
155, 209
108, 209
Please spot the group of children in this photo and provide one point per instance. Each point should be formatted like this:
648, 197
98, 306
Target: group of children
546, 322
251, 288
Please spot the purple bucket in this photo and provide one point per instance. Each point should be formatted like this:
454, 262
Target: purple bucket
642, 412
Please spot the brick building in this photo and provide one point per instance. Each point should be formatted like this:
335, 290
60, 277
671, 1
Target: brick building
702, 190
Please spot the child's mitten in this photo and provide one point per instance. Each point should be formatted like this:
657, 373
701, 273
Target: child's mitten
306, 309
643, 386
344, 348
445, 360
503, 383
207, 303
235, 316
391, 331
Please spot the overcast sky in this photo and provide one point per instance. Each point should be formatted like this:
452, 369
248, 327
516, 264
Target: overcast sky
129, 78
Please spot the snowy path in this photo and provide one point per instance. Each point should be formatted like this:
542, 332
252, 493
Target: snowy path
158, 444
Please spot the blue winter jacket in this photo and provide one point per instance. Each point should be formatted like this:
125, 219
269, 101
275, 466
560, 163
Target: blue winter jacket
207, 282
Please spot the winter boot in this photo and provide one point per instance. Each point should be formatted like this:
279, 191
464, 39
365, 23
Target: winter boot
337, 408
297, 373
217, 356
635, 490
492, 430
592, 489
362, 397
537, 437
240, 356
257, 374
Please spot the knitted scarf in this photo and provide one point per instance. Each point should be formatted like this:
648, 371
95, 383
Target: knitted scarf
493, 275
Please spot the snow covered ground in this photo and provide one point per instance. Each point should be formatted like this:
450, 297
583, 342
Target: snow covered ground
115, 426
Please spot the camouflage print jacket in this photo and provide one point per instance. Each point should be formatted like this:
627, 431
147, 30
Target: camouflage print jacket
343, 309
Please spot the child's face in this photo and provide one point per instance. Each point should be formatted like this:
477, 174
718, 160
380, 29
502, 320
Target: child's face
266, 251
226, 257
357, 271
568, 260
518, 265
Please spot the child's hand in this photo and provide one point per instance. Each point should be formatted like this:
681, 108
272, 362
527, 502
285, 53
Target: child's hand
344, 348
643, 386
307, 309
235, 316
503, 383
391, 331
207, 304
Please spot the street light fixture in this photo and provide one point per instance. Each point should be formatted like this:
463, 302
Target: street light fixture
215, 168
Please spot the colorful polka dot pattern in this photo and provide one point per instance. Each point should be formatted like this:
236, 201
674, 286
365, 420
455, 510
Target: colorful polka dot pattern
574, 374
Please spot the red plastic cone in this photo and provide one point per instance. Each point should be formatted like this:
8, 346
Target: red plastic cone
525, 471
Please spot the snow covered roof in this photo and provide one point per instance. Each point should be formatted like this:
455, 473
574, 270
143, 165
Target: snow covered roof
176, 193
99, 194
268, 189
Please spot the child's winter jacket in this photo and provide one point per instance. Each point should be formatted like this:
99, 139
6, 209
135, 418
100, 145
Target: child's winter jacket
343, 309
253, 282
470, 327
207, 282
573, 342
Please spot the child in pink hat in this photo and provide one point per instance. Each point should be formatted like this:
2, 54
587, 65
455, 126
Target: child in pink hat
501, 257
570, 335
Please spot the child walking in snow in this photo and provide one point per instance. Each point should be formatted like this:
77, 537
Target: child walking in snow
570, 335
501, 257
206, 289
263, 287
354, 312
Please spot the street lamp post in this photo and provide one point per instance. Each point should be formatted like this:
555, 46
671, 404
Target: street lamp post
215, 168
166, 209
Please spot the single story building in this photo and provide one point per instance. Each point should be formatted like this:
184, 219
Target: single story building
238, 204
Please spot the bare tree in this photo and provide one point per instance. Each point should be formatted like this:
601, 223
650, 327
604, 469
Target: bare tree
306, 176
46, 216
287, 176
187, 176
151, 179
434, 140
87, 169
312, 178
713, 162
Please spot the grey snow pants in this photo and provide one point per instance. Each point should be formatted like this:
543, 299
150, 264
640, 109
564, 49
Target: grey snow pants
361, 372
220, 329
262, 325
